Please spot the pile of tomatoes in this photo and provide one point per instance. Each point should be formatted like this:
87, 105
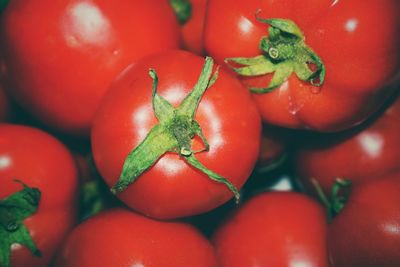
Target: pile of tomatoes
169, 133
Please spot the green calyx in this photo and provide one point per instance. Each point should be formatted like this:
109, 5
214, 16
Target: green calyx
182, 9
13, 211
3, 5
284, 52
174, 133
337, 199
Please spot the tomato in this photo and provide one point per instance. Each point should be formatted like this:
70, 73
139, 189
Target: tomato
191, 14
192, 30
39, 161
357, 155
367, 231
172, 187
342, 61
61, 56
274, 229
124, 239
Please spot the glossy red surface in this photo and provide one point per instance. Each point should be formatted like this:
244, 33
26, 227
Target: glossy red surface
274, 229
172, 188
363, 154
39, 160
360, 57
367, 231
62, 55
125, 239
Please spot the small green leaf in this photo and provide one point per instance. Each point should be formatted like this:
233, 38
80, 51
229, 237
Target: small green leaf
182, 9
189, 105
192, 160
145, 155
303, 71
286, 26
281, 74
162, 108
13, 211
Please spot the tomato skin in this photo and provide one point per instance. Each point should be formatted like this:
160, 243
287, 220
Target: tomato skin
367, 231
274, 229
122, 238
360, 58
360, 154
39, 160
62, 55
172, 188
192, 30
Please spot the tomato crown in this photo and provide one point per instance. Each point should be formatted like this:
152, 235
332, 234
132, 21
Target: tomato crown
284, 51
174, 133
13, 211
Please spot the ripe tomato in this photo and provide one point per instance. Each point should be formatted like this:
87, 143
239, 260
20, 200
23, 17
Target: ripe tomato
192, 30
171, 187
274, 229
39, 161
366, 233
61, 56
367, 152
335, 45
125, 239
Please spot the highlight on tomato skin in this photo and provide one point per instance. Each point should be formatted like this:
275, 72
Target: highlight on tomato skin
367, 230
35, 159
272, 44
274, 229
361, 154
61, 56
172, 188
123, 238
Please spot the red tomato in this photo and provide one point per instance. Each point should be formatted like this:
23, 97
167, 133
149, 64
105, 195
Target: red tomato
357, 155
39, 160
360, 58
274, 229
192, 30
366, 233
62, 55
172, 188
128, 239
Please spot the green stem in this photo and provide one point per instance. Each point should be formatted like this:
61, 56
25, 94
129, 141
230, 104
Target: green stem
13, 211
284, 52
338, 196
182, 9
174, 133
